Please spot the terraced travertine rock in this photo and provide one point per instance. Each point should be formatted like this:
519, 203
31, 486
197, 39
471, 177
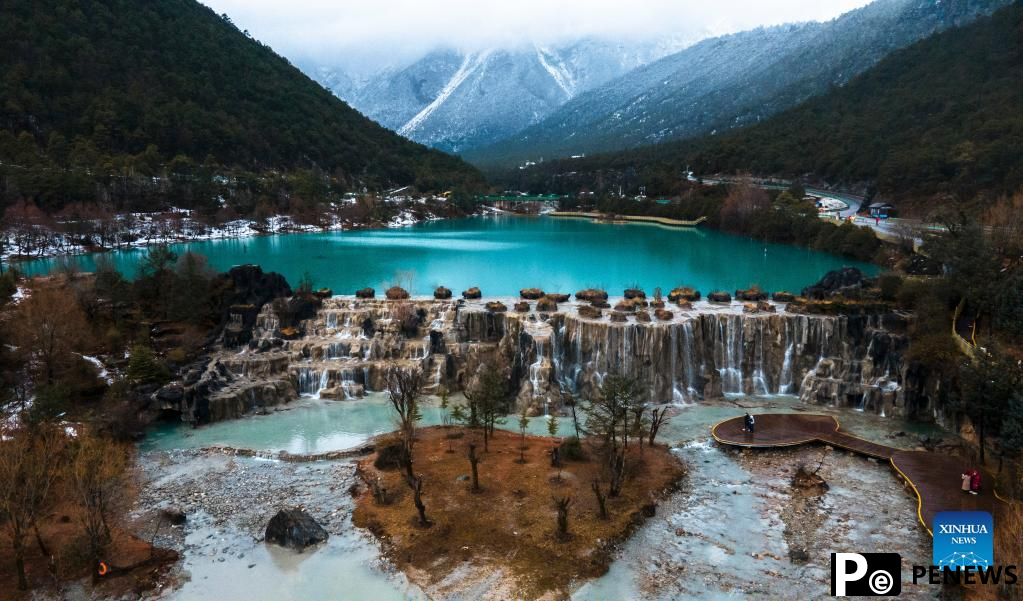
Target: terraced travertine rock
695, 351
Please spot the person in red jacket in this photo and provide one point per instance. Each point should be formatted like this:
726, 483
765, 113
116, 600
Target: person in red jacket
974, 482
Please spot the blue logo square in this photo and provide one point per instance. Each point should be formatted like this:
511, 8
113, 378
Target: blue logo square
964, 539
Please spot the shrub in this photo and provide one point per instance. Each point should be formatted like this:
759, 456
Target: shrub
388, 454
889, 284
572, 449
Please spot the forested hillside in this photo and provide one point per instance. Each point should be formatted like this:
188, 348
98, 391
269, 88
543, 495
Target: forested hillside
942, 116
119, 88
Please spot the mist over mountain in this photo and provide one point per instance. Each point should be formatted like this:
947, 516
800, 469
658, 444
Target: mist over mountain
731, 81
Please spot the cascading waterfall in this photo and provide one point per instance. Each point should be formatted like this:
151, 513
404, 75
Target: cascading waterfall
785, 381
710, 350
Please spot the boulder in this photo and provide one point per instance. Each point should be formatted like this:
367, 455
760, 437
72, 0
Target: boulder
619, 317
396, 293
719, 297
546, 305
246, 288
365, 293
295, 529
496, 307
522, 307
472, 294
664, 315
442, 293
324, 293
657, 304
783, 297
684, 304
625, 306
559, 298
170, 395
174, 515
835, 283
589, 312
643, 316
600, 304
751, 294
684, 292
766, 307
631, 293
591, 294
531, 293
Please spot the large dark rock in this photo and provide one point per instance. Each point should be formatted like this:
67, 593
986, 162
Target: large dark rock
396, 293
295, 529
631, 293
684, 293
247, 290
531, 293
473, 293
751, 294
442, 293
591, 294
174, 515
719, 297
835, 283
365, 293
546, 305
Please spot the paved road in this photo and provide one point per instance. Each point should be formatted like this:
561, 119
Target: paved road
886, 229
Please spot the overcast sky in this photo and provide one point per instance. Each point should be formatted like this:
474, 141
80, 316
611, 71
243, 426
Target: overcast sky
339, 31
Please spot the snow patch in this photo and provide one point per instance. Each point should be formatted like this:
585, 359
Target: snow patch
469, 64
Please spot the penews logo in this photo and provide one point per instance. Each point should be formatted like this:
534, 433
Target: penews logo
866, 574
964, 539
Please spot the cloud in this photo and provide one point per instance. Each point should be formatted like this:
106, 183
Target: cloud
380, 30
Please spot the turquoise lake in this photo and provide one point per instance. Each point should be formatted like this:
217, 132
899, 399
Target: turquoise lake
502, 254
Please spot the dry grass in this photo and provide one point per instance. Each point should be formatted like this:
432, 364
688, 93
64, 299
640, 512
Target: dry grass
510, 524
61, 532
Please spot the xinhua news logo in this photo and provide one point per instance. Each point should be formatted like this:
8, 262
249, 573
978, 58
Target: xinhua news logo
866, 574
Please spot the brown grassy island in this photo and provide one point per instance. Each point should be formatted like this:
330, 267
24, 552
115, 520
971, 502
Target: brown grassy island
509, 528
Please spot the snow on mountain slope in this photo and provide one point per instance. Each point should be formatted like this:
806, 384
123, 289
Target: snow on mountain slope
457, 101
730, 81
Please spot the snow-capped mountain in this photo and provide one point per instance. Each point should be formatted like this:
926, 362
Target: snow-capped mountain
731, 81
456, 100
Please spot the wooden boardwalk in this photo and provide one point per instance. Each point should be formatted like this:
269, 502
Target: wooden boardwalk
935, 478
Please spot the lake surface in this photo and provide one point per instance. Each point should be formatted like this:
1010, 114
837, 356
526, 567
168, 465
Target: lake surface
502, 254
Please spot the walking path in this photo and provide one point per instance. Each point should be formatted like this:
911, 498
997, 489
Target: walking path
935, 478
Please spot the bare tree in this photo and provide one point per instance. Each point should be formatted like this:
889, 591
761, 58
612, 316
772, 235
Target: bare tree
417, 499
561, 505
98, 474
405, 386
657, 419
29, 465
48, 327
474, 461
601, 499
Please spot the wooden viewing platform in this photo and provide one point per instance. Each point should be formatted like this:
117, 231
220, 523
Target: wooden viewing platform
630, 218
935, 478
